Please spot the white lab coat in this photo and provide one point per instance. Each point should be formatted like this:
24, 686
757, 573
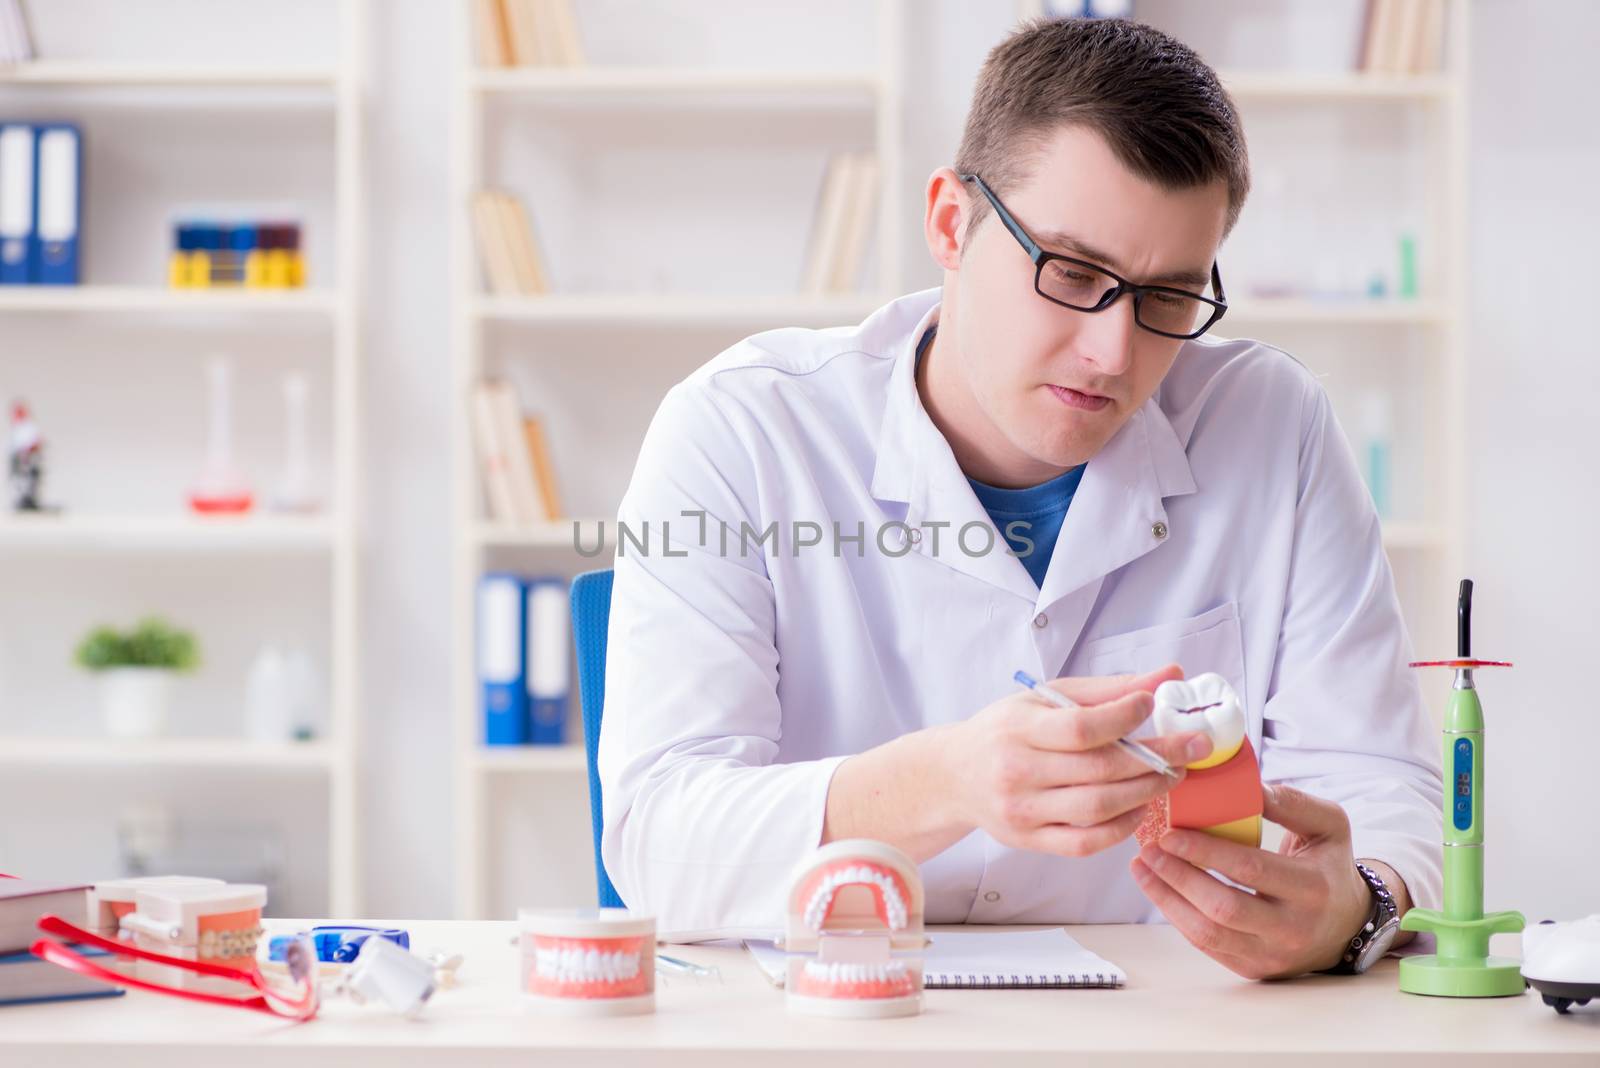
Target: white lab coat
1224, 527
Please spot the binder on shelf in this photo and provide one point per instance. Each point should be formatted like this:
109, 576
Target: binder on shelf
825, 225
18, 177
59, 199
548, 654
1402, 36
502, 665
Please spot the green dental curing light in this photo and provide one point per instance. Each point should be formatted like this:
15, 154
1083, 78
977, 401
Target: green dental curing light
1462, 967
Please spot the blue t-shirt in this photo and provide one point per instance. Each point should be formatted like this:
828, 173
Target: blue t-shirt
1029, 518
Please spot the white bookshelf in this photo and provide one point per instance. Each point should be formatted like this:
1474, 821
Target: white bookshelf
127, 540
876, 94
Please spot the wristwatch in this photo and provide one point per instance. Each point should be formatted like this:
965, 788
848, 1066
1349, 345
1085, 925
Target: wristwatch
1377, 934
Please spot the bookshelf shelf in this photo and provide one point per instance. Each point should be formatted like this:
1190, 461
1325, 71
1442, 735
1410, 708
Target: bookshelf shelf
512, 759
111, 298
555, 534
1334, 312
166, 753
661, 309
625, 84
83, 74
168, 533
1247, 86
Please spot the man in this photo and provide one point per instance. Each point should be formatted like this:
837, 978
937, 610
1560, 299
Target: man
822, 587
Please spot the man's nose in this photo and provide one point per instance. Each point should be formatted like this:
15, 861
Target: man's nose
1106, 337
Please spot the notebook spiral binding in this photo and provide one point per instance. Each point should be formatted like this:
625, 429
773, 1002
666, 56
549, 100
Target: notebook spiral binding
1002, 982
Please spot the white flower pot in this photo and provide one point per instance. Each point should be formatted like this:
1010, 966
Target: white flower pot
135, 700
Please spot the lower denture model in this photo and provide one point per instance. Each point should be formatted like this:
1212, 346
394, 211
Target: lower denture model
852, 905
1221, 794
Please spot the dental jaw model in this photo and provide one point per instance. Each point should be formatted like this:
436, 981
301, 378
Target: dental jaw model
1221, 794
217, 924
112, 899
588, 962
852, 904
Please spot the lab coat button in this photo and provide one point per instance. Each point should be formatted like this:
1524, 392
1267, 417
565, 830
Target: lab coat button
1041, 620
916, 535
992, 896
1159, 530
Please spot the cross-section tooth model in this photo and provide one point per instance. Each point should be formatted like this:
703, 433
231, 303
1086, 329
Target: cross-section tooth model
1221, 794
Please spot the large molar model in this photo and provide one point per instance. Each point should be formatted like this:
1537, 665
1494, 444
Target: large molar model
852, 904
1221, 794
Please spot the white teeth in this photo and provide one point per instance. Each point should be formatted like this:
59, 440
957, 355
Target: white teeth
1220, 715
573, 965
858, 875
834, 972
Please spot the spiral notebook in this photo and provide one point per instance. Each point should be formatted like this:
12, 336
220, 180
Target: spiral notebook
989, 959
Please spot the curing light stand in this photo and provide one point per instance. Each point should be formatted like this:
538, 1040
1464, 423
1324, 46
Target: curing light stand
1462, 967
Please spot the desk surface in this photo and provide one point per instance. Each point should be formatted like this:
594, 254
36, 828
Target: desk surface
1177, 1002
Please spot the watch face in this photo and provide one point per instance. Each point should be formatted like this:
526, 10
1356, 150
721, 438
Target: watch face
1374, 950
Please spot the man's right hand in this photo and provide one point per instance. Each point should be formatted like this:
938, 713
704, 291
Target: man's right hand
1049, 779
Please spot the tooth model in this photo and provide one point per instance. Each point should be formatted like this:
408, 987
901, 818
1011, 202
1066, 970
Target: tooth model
1221, 794
852, 904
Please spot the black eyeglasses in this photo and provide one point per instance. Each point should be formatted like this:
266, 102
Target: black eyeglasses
1088, 287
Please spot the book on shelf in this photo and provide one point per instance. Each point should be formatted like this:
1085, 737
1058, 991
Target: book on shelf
16, 40
507, 247
514, 457
1402, 37
841, 224
490, 37
527, 33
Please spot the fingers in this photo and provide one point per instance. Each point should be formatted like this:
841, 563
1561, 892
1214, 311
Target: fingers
1265, 873
1074, 730
1179, 749
1230, 948
1085, 806
1232, 909
1100, 689
1081, 841
1306, 815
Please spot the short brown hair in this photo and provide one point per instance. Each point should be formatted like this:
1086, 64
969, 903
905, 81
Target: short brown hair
1159, 107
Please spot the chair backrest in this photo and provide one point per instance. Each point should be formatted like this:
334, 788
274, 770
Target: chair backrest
591, 615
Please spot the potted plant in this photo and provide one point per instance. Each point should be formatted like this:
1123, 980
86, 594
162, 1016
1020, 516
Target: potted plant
137, 668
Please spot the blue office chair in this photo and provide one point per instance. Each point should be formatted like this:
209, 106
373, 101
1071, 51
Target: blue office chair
591, 615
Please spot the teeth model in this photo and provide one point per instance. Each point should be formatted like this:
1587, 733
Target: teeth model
579, 964
1204, 703
852, 904
884, 885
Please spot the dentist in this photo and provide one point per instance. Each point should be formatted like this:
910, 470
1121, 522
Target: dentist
838, 545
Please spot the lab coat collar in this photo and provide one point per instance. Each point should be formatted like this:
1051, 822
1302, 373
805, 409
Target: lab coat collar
1114, 515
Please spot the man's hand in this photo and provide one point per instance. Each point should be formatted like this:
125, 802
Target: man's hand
1033, 775
1052, 780
1309, 899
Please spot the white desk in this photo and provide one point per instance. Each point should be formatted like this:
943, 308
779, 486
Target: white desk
1178, 1010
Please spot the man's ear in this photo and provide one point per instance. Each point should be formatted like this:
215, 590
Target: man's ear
945, 222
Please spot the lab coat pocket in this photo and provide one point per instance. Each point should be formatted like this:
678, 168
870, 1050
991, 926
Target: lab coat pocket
1211, 641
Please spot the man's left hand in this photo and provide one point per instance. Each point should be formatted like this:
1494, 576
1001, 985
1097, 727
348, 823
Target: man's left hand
1309, 899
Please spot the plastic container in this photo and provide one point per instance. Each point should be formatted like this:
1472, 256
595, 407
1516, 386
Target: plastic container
588, 962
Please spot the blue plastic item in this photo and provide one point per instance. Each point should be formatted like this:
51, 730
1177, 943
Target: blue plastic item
591, 615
